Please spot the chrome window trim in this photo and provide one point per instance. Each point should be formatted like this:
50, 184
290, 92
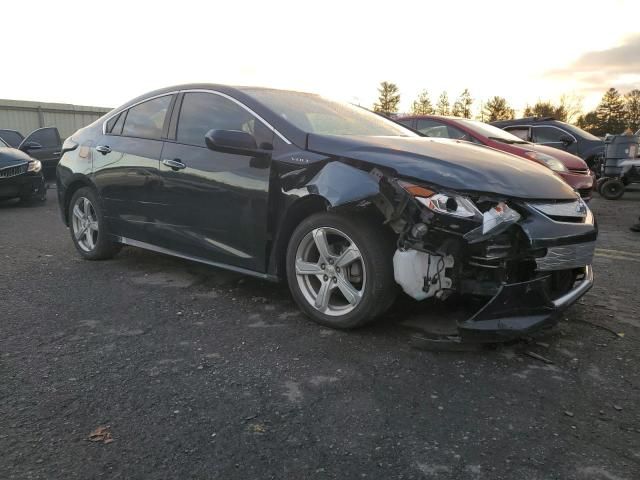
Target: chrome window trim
104, 123
239, 103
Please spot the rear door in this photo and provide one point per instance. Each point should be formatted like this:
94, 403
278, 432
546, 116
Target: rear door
217, 203
126, 167
49, 140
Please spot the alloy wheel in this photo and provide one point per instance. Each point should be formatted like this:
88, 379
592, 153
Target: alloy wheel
330, 271
85, 224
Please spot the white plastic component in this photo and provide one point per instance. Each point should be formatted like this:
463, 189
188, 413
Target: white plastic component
420, 274
499, 214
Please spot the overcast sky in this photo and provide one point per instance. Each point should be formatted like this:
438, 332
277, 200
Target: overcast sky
105, 52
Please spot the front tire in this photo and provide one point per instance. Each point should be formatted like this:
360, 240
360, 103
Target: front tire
340, 271
88, 228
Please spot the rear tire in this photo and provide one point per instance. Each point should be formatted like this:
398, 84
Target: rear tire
88, 228
340, 270
612, 189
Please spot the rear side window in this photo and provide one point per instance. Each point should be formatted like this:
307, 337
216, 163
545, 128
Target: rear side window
146, 120
115, 124
520, 132
202, 112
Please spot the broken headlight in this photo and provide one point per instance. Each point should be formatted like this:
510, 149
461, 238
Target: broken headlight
448, 204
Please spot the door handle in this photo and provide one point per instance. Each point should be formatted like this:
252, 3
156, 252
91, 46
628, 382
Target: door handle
103, 149
56, 153
174, 164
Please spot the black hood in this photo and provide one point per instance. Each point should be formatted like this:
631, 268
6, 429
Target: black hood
12, 156
455, 165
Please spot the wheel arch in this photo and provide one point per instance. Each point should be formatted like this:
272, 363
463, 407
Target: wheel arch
74, 185
294, 215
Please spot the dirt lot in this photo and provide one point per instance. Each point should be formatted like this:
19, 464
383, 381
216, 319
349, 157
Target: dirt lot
199, 373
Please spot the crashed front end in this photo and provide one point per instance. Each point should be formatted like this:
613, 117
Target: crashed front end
529, 259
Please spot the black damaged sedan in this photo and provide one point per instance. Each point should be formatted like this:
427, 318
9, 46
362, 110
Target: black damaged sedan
346, 206
20, 175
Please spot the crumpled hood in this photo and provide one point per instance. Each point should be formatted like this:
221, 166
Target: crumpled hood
12, 156
451, 164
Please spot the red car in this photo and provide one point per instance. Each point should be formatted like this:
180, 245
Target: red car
572, 169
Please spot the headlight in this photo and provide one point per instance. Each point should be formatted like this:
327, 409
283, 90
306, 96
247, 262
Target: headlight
34, 166
455, 205
551, 162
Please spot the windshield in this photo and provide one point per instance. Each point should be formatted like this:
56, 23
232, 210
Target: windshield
3, 143
315, 114
578, 131
489, 131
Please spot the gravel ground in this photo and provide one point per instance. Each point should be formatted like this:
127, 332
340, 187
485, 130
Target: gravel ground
191, 372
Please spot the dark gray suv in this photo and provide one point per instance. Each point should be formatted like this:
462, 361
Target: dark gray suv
554, 133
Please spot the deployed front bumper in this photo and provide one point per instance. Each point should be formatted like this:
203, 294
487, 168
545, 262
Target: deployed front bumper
521, 308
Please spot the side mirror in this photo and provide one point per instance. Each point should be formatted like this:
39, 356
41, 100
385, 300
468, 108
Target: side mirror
28, 146
567, 140
234, 141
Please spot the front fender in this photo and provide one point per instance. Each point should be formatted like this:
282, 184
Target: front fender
339, 184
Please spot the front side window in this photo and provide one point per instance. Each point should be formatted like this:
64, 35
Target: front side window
548, 135
433, 128
46, 137
201, 112
146, 120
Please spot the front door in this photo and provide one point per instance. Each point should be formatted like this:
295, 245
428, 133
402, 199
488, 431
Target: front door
217, 203
555, 137
48, 138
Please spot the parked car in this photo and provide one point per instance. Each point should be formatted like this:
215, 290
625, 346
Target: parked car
48, 139
572, 169
13, 138
343, 204
557, 134
20, 175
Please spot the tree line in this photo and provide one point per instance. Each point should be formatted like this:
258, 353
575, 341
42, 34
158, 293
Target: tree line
614, 114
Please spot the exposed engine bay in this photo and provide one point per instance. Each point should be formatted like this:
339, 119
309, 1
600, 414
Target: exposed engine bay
520, 255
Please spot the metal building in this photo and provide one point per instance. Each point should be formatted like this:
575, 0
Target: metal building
27, 116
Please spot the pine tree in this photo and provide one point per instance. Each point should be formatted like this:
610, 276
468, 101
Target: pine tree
632, 109
388, 99
546, 109
611, 113
589, 122
442, 108
462, 105
422, 105
497, 108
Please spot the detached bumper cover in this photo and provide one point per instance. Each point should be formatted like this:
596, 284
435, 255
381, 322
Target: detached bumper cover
521, 308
